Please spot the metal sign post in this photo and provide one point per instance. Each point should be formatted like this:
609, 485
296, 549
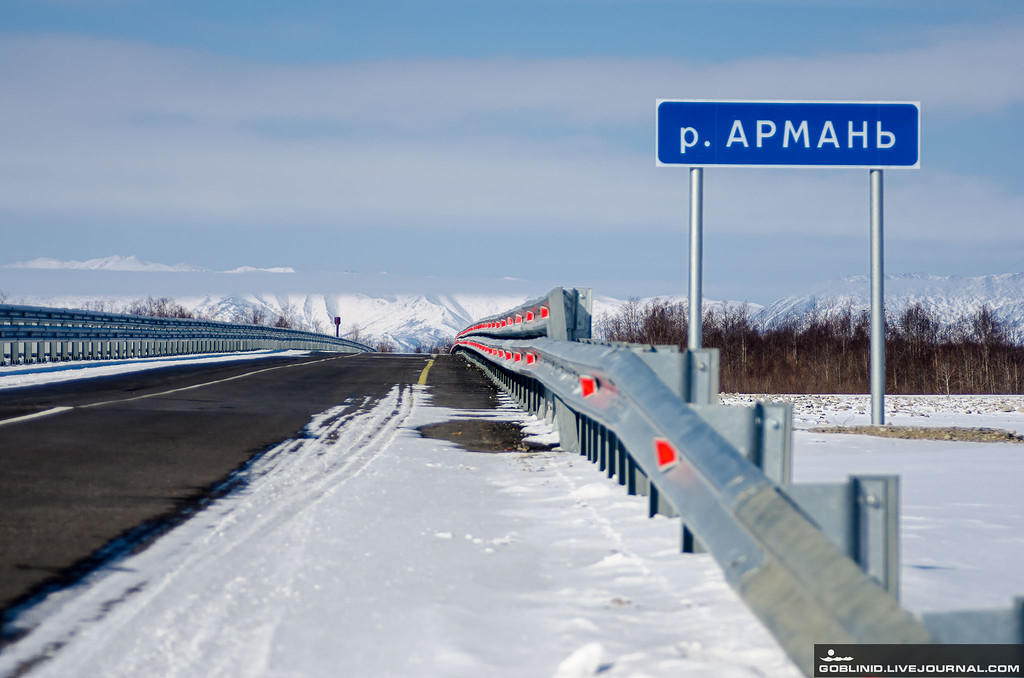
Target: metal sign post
877, 303
836, 134
695, 332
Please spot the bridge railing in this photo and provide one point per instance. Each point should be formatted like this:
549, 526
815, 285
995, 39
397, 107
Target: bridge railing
817, 563
33, 334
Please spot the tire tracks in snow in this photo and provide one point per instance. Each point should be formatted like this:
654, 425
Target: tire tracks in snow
184, 577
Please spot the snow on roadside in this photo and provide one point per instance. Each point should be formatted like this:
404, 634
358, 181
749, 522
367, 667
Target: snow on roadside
810, 410
962, 509
369, 550
16, 376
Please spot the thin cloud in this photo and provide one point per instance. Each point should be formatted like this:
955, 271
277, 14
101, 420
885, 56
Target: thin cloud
969, 70
134, 131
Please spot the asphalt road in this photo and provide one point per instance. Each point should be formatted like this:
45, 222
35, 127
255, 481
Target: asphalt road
135, 454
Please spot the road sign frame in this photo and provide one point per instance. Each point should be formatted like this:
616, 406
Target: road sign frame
806, 104
875, 169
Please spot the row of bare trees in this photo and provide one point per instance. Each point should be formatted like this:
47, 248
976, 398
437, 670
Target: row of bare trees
829, 352
165, 307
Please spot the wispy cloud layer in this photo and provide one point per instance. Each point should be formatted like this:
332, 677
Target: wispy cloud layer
130, 263
131, 131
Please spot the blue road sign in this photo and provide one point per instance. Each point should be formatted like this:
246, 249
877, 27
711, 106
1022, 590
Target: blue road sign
789, 134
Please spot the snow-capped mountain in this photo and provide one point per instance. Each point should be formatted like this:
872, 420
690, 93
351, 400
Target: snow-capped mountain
949, 299
420, 320
408, 322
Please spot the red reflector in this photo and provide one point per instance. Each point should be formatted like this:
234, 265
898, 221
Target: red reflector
665, 454
588, 385
529, 316
519, 319
530, 358
543, 311
519, 357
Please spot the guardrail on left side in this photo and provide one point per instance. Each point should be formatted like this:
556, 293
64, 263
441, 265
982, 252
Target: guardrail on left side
33, 334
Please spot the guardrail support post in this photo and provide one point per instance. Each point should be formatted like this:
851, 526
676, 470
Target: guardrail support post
693, 375
567, 425
762, 433
622, 463
570, 311
878, 506
861, 517
702, 368
637, 481
657, 504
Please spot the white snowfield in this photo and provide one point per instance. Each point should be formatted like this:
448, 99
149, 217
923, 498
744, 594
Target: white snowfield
962, 506
367, 550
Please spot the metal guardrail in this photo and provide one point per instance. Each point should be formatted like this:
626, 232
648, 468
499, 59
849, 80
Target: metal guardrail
32, 334
562, 314
817, 563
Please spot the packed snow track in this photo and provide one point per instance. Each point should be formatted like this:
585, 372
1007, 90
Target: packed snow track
91, 467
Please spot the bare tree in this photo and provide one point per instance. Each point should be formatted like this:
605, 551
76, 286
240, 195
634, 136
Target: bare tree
164, 307
826, 351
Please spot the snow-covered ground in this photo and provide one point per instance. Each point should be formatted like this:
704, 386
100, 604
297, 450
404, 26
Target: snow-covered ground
367, 550
810, 411
962, 508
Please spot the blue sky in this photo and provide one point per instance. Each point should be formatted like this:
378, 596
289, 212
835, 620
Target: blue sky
496, 139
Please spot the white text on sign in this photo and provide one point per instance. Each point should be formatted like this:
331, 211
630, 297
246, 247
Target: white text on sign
797, 134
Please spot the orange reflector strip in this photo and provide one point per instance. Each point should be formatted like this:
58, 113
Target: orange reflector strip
665, 454
588, 386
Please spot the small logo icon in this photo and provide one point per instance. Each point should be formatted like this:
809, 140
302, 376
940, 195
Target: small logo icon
833, 658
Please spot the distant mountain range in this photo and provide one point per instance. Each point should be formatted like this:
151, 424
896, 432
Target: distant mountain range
410, 321
949, 299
